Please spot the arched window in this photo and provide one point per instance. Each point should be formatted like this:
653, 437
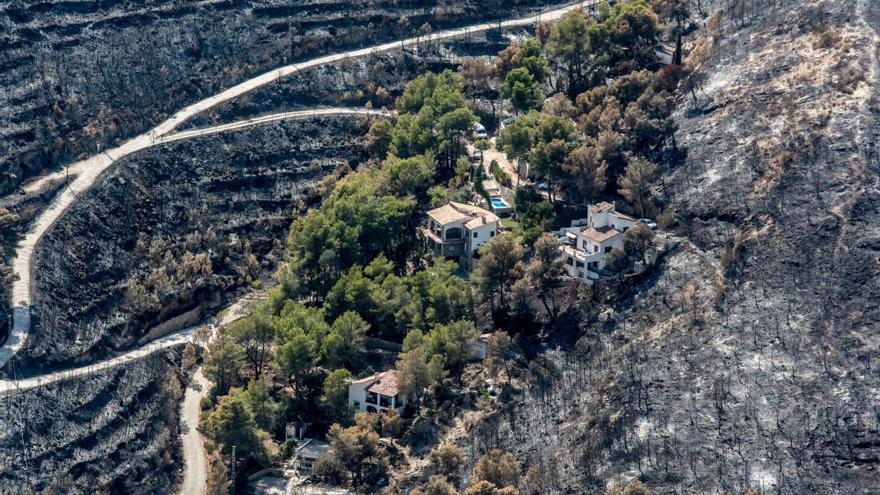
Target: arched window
454, 233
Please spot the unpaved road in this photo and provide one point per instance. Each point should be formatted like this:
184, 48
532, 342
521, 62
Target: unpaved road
195, 477
88, 170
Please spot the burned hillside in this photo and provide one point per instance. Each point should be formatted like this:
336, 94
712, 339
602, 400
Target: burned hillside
750, 362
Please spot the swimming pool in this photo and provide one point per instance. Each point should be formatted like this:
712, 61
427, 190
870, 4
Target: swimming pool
499, 203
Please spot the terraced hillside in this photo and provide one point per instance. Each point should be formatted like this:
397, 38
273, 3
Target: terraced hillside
174, 227
111, 432
76, 75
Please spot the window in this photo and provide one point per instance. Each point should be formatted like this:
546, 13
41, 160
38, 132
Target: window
580, 264
583, 244
454, 233
569, 261
607, 249
476, 234
492, 233
595, 249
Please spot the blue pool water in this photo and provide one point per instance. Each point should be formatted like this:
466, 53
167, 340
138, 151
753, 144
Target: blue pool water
499, 203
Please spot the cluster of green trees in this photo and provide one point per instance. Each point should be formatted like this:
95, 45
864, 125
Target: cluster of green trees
353, 272
294, 357
610, 121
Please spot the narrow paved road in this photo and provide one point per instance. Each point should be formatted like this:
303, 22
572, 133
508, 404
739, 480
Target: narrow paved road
195, 477
88, 170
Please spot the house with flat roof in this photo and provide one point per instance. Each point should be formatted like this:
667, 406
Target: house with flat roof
376, 393
307, 454
586, 244
456, 230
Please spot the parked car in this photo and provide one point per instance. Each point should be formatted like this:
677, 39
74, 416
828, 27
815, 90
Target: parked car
479, 130
477, 155
650, 223
542, 187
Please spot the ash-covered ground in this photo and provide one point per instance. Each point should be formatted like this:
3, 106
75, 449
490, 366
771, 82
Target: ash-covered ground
750, 359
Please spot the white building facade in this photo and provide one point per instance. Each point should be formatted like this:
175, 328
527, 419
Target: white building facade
457, 230
588, 241
376, 393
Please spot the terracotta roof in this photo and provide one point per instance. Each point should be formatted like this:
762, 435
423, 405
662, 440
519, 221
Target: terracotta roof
479, 221
474, 211
447, 214
623, 215
599, 235
456, 212
386, 383
604, 206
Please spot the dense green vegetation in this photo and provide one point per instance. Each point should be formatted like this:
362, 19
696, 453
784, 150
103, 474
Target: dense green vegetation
356, 276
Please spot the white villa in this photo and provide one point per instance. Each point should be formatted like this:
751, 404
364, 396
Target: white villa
376, 393
587, 241
457, 230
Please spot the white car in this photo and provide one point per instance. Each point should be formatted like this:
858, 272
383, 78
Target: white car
650, 223
479, 130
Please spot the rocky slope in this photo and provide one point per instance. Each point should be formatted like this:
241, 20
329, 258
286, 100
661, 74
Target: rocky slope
749, 361
113, 432
83, 73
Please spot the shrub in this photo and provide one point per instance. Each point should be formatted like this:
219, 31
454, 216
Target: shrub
500, 175
616, 260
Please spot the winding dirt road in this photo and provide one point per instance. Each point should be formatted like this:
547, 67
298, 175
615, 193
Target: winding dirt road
87, 172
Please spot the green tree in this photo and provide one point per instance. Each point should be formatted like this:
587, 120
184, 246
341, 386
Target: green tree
345, 344
255, 335
569, 45
223, 362
261, 405
416, 371
500, 266
231, 425
379, 137
453, 342
545, 272
295, 358
522, 90
408, 175
335, 396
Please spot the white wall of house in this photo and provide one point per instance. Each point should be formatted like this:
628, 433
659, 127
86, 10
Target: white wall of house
481, 235
357, 398
357, 393
620, 223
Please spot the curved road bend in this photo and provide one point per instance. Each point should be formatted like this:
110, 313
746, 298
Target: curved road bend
88, 170
87, 173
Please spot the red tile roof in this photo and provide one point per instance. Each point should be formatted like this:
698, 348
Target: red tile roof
385, 384
599, 235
